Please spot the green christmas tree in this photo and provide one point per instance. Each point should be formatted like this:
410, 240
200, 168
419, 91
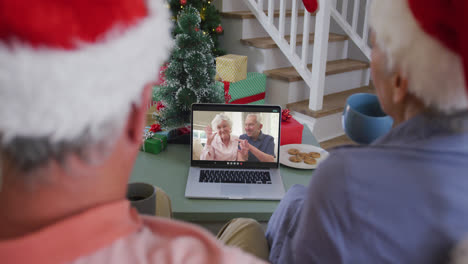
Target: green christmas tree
210, 19
190, 73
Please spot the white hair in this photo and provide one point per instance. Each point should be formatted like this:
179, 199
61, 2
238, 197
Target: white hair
220, 118
257, 116
434, 73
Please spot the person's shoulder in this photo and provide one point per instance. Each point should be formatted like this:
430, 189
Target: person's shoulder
186, 243
267, 137
243, 136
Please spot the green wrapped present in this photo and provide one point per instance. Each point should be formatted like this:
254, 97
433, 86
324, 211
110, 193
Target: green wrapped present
154, 143
248, 91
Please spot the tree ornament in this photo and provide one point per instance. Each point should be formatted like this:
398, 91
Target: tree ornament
183, 2
219, 29
311, 6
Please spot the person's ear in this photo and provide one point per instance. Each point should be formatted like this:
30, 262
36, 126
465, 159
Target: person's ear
137, 117
399, 87
261, 126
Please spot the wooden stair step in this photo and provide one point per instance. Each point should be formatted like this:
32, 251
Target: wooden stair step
269, 43
248, 14
335, 142
289, 74
332, 103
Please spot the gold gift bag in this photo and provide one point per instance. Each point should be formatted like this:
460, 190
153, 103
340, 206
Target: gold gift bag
231, 68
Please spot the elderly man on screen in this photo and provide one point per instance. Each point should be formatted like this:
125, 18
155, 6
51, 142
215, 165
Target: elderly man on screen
72, 116
254, 144
403, 198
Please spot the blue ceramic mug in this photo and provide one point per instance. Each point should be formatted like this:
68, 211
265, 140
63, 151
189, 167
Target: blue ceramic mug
363, 118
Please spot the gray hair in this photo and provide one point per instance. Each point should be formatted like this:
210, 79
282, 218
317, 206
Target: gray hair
257, 116
434, 73
27, 154
220, 118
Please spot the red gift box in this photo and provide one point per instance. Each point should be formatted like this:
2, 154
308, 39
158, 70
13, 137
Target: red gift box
291, 132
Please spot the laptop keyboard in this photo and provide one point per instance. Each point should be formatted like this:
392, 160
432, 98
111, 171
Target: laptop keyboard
235, 176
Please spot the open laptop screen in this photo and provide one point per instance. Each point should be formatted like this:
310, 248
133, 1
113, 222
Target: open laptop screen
235, 136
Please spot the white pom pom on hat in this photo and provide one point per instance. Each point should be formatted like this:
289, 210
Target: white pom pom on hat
428, 38
71, 66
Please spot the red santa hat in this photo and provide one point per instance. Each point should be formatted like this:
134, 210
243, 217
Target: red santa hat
428, 40
72, 66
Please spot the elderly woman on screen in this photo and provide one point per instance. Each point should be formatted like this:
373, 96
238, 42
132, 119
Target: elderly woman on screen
220, 144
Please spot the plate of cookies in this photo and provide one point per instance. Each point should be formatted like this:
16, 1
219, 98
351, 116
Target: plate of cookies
302, 156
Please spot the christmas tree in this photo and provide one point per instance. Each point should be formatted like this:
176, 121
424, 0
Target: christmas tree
210, 19
190, 73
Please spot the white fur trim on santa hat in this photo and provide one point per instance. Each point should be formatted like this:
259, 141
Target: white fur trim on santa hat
435, 73
60, 94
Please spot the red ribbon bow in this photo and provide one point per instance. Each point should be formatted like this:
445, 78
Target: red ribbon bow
285, 115
155, 128
227, 96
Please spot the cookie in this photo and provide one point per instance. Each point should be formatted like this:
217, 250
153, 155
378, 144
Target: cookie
295, 159
310, 161
301, 155
315, 155
293, 151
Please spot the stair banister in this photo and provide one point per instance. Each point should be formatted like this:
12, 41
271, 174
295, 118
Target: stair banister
319, 62
314, 78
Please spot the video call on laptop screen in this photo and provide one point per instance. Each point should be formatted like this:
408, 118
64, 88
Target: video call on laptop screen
235, 136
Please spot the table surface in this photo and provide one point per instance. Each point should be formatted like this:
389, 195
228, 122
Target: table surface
169, 170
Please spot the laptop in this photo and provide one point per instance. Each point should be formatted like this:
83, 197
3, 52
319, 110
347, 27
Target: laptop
216, 171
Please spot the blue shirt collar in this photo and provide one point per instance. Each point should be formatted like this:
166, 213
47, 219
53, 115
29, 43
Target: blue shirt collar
440, 129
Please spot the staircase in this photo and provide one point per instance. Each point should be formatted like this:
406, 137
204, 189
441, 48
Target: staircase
346, 71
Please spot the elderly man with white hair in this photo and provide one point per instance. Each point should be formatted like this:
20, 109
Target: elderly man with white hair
72, 110
403, 198
254, 144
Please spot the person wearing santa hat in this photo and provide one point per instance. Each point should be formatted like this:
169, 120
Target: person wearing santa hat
403, 198
72, 111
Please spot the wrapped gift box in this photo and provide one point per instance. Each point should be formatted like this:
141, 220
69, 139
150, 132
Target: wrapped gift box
248, 91
231, 68
155, 144
291, 132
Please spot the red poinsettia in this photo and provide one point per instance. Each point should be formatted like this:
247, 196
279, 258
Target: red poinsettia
159, 105
155, 128
285, 115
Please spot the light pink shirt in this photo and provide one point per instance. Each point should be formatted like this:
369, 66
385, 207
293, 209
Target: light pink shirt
115, 233
219, 151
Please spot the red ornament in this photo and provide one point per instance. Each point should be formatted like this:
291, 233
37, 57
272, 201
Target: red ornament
162, 75
219, 29
311, 5
285, 115
159, 105
183, 2
197, 29
183, 130
155, 128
